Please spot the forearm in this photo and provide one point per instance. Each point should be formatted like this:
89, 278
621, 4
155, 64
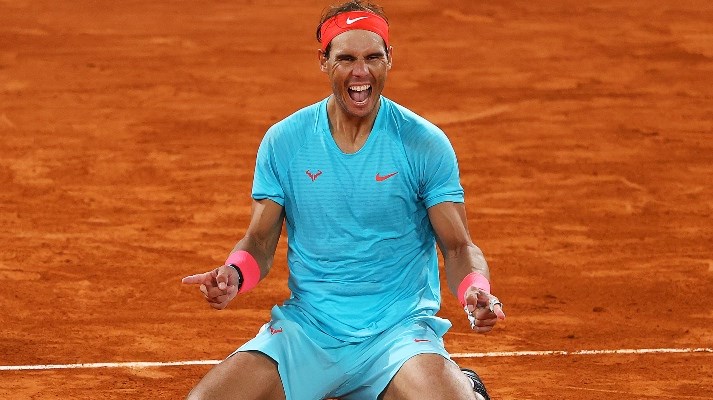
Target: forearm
262, 251
461, 256
263, 233
461, 261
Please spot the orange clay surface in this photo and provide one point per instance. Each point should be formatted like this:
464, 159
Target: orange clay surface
584, 132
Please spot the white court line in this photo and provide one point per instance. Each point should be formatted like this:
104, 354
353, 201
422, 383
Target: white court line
579, 352
137, 364
148, 364
631, 395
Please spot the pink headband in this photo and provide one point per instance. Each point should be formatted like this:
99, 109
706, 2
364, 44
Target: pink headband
351, 20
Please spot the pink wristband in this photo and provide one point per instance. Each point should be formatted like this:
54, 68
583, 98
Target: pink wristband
248, 268
472, 279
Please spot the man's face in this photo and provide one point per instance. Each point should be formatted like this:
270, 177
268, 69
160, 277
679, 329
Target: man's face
357, 67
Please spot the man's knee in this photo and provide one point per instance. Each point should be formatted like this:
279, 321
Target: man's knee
429, 376
248, 375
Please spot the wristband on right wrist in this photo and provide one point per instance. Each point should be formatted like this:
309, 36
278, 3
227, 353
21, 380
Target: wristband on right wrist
247, 267
241, 279
472, 279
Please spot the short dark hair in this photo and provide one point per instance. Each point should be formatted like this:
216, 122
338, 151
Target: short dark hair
351, 5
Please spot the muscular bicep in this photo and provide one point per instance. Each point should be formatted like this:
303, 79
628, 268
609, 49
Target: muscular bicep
460, 255
263, 232
266, 221
450, 226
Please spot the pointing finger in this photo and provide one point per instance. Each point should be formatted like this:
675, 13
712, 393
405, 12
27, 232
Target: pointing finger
195, 279
498, 310
496, 306
492, 309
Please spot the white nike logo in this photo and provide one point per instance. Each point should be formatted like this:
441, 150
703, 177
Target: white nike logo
351, 21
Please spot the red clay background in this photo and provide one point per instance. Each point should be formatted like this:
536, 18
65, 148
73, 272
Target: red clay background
585, 138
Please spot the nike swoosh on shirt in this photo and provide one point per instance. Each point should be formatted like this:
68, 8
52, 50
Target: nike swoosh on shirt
351, 21
381, 178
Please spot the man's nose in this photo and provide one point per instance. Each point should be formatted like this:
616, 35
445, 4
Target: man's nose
359, 68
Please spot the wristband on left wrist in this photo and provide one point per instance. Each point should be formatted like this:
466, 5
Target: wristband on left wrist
472, 279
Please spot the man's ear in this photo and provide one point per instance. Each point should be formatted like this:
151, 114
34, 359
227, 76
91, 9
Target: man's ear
389, 56
322, 60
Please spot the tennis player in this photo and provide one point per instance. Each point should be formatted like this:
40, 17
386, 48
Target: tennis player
368, 190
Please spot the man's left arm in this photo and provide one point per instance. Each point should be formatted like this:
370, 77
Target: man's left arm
467, 272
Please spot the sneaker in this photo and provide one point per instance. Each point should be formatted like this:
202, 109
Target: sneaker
478, 386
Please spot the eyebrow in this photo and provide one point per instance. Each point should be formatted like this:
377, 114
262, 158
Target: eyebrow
379, 53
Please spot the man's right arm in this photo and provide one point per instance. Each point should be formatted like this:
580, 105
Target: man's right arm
263, 233
221, 285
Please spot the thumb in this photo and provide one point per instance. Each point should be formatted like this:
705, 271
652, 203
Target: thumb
472, 298
483, 298
223, 278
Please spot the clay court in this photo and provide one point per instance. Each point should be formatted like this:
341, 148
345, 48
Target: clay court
584, 133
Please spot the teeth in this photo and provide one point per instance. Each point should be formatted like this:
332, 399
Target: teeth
359, 88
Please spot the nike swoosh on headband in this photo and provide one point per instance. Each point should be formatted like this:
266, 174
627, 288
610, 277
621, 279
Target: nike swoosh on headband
351, 21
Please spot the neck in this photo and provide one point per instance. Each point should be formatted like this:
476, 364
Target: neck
349, 131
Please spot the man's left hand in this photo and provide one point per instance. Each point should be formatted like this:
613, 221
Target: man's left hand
483, 309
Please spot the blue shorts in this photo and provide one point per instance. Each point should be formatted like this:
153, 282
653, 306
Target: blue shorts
314, 365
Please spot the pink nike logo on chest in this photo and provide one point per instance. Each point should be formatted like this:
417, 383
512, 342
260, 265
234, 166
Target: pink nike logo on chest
381, 178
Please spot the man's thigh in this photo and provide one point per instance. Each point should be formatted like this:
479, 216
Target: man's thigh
244, 375
429, 376
375, 363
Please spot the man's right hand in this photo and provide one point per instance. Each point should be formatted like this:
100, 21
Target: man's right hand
218, 286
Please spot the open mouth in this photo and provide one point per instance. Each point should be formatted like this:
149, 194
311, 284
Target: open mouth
359, 93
